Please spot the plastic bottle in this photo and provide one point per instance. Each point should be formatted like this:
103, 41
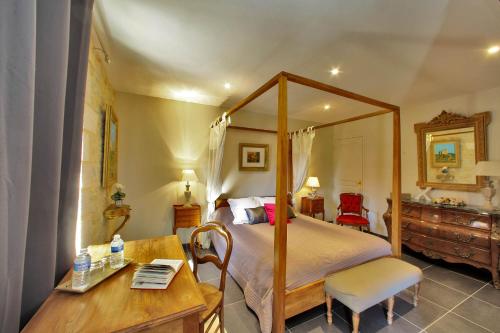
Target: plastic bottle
116, 259
81, 270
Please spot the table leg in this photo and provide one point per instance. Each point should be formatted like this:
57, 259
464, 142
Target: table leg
328, 299
355, 322
390, 308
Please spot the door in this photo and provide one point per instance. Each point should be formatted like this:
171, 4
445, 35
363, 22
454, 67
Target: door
348, 159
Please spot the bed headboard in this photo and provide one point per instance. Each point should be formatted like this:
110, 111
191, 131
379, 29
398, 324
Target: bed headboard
222, 202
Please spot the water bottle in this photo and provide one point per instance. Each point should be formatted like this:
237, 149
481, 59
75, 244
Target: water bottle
116, 259
81, 270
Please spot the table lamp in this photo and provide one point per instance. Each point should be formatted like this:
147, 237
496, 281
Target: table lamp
313, 183
188, 175
488, 169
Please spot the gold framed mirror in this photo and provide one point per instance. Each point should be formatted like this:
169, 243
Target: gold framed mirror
448, 147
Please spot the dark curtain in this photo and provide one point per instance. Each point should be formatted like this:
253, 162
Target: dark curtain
43, 66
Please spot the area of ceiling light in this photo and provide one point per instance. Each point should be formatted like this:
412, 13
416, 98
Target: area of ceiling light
326, 107
188, 95
493, 49
335, 71
227, 85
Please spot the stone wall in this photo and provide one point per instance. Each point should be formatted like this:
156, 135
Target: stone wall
94, 198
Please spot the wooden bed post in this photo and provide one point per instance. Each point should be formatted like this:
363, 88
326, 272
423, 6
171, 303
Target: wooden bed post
396, 185
280, 231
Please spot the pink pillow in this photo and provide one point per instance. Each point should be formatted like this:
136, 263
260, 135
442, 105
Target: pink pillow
271, 213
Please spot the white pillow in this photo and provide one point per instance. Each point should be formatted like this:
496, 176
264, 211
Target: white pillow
266, 200
238, 208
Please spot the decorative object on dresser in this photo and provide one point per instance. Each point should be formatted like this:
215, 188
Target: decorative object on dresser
489, 169
186, 217
254, 157
118, 194
448, 147
313, 183
465, 234
312, 206
352, 212
188, 175
113, 212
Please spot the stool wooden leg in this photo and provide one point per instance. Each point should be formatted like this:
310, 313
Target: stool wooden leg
355, 322
390, 308
328, 299
415, 295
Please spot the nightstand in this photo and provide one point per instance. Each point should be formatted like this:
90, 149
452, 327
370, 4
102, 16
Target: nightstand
186, 217
312, 206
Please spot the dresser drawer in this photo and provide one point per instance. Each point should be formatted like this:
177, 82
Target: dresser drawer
411, 211
460, 235
431, 214
317, 205
466, 219
465, 252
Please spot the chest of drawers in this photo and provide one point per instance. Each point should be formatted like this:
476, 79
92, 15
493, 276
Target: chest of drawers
467, 235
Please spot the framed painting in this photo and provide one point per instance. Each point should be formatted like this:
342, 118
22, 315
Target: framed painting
110, 145
254, 157
445, 153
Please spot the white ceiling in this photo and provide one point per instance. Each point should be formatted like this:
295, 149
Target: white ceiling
398, 51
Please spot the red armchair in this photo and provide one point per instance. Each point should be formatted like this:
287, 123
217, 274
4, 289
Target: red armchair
351, 211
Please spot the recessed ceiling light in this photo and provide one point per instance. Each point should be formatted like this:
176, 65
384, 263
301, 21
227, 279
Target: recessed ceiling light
326, 107
227, 85
493, 49
335, 71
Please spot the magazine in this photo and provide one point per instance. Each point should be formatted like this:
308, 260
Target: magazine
156, 275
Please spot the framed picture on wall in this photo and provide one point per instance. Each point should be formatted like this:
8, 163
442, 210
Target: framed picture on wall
254, 157
110, 149
445, 153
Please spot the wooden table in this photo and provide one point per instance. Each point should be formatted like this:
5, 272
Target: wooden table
112, 306
312, 206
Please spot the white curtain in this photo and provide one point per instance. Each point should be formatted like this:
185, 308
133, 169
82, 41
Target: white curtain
215, 156
301, 154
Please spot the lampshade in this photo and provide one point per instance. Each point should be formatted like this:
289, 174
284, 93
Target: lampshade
312, 182
488, 168
188, 175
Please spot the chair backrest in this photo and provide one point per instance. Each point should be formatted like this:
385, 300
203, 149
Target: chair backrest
209, 257
351, 203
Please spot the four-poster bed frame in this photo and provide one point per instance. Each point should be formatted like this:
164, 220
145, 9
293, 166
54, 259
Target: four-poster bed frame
287, 303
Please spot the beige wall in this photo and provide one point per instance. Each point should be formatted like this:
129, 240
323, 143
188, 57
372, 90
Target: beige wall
158, 138
377, 165
237, 183
377, 133
94, 199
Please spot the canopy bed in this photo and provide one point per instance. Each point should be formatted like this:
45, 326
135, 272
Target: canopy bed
295, 290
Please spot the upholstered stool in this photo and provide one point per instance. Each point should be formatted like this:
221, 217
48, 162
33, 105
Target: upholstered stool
365, 285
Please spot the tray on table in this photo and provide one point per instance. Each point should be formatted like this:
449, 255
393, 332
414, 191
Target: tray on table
96, 276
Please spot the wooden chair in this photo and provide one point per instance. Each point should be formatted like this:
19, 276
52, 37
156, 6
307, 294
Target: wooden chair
214, 297
352, 212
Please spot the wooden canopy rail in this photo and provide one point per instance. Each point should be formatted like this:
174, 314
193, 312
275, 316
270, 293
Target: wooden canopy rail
290, 302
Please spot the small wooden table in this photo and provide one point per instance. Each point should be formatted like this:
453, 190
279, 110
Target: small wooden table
312, 206
112, 306
186, 217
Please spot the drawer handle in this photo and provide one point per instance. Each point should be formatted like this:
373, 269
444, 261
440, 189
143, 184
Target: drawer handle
466, 222
464, 239
462, 253
407, 210
432, 254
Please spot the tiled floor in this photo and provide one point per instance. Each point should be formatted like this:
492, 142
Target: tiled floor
454, 299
